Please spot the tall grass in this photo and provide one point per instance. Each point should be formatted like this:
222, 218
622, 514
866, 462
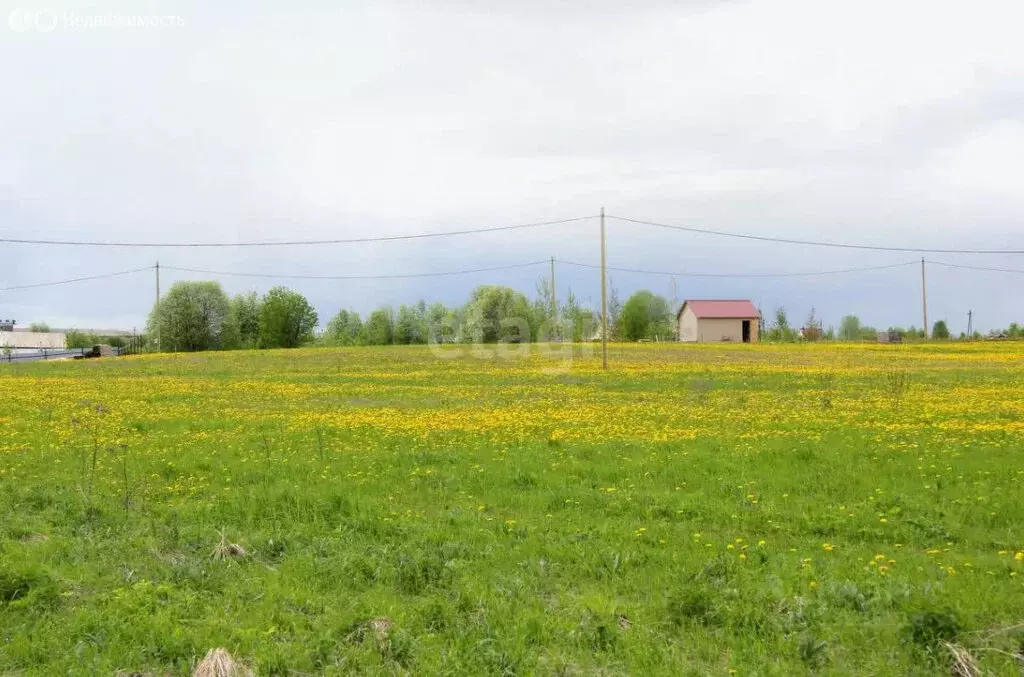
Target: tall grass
695, 510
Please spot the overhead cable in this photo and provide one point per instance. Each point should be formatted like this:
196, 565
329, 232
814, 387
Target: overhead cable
966, 267
76, 279
289, 243
398, 276
815, 243
737, 275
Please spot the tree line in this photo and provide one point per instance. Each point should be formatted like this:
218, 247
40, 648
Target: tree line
496, 313
201, 316
195, 316
852, 329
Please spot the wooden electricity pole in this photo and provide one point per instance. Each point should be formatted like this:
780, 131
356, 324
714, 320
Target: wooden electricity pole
604, 300
156, 315
924, 300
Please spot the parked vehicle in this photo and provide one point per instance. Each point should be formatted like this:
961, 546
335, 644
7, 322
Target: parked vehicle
101, 350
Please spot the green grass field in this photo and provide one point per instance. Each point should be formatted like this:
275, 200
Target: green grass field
766, 510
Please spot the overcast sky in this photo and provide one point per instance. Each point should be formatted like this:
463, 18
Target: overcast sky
897, 123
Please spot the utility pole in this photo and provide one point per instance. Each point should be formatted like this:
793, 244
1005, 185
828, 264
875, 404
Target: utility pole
157, 314
970, 325
924, 300
554, 297
604, 300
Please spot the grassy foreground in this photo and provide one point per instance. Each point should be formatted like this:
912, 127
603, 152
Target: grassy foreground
695, 510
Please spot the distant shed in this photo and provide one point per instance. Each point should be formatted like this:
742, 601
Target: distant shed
718, 321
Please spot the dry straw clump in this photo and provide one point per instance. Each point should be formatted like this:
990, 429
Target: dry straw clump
381, 628
34, 538
225, 550
963, 662
219, 663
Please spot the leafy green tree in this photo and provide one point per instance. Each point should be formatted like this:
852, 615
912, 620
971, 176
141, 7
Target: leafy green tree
849, 328
191, 316
40, 327
243, 327
614, 313
496, 313
780, 329
579, 322
646, 316
914, 333
379, 329
940, 330
544, 320
286, 319
80, 339
411, 324
442, 323
868, 333
344, 329
1015, 331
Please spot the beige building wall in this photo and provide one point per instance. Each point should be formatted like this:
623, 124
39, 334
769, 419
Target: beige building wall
688, 326
33, 340
709, 330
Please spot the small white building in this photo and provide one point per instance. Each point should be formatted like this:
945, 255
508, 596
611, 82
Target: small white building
717, 321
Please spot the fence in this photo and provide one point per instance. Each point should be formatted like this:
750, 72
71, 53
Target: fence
133, 346
65, 354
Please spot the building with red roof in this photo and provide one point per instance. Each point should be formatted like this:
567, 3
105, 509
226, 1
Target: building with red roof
718, 320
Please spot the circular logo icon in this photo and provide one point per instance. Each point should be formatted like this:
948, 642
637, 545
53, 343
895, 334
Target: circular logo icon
45, 21
20, 20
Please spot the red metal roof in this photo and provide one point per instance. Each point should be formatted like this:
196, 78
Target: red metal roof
721, 308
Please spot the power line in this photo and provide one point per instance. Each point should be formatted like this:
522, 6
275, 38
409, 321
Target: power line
737, 275
494, 229
505, 267
354, 277
782, 240
966, 267
293, 243
76, 279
